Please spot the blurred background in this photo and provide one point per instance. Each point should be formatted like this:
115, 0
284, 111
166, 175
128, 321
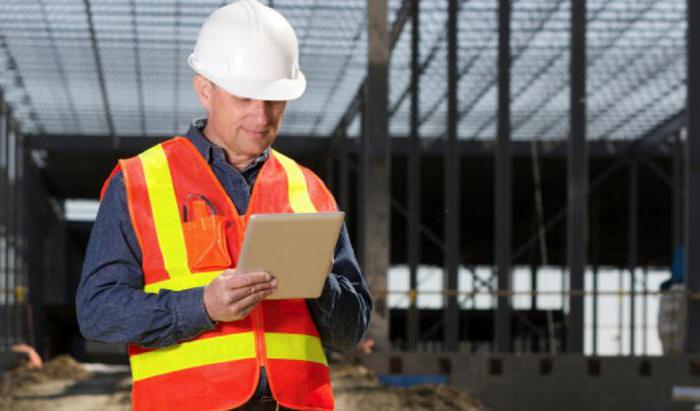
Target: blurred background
521, 177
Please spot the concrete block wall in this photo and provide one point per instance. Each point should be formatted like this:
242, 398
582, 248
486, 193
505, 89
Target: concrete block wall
555, 383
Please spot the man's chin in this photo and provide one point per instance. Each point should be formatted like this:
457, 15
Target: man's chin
257, 148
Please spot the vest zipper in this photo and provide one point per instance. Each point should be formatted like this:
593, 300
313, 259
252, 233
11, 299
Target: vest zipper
259, 331
256, 315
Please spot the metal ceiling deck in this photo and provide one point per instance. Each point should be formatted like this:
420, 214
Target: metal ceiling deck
118, 67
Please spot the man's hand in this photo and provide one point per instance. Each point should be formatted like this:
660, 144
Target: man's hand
231, 296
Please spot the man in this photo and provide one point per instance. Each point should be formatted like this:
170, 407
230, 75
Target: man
159, 270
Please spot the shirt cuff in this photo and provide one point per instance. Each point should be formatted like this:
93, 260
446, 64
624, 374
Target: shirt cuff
192, 317
324, 305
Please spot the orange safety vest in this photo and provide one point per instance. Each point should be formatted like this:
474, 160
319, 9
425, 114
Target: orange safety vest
220, 369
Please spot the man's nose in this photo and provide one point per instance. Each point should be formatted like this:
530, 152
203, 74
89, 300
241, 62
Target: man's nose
261, 112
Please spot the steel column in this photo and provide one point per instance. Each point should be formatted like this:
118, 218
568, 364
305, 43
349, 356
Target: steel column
595, 262
414, 185
503, 183
632, 243
533, 297
534, 268
620, 312
452, 187
11, 245
375, 168
344, 178
362, 188
577, 168
329, 169
35, 206
4, 284
645, 311
692, 200
21, 282
677, 201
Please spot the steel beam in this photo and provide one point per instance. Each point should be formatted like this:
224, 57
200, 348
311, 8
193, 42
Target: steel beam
374, 169
503, 183
19, 83
393, 38
338, 81
559, 88
59, 67
452, 187
61, 143
671, 125
525, 45
310, 145
177, 63
100, 74
414, 184
137, 65
577, 168
692, 200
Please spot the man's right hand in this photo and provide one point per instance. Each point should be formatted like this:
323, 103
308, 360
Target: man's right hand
232, 296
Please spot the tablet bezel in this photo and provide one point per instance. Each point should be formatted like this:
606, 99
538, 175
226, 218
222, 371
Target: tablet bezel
296, 248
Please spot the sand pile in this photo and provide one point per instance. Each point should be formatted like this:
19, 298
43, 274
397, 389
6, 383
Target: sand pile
63, 367
356, 388
63, 384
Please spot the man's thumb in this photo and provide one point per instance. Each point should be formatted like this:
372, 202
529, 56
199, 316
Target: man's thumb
227, 273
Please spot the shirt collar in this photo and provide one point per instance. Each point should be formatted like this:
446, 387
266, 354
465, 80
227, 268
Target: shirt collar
211, 151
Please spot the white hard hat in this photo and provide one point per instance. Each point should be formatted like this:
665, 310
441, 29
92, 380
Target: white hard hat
249, 50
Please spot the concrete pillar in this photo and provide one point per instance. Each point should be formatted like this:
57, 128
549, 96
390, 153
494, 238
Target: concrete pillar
375, 168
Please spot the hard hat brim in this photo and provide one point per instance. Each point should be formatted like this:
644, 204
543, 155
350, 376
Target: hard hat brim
257, 89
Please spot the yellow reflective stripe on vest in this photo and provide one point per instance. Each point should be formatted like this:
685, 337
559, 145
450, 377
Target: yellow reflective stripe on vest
166, 214
192, 354
284, 346
183, 282
299, 199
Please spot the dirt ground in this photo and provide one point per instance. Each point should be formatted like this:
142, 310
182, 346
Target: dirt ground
356, 389
64, 385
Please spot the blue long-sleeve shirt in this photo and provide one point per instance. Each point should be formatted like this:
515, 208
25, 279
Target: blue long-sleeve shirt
112, 306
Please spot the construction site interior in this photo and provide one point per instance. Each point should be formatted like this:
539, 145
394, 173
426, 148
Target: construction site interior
521, 183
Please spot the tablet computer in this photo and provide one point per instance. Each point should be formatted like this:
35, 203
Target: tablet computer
297, 249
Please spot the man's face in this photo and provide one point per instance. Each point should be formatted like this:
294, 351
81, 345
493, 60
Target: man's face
243, 126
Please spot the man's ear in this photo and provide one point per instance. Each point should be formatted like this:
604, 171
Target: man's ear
203, 88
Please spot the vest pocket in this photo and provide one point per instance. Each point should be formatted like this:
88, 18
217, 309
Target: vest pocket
205, 238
